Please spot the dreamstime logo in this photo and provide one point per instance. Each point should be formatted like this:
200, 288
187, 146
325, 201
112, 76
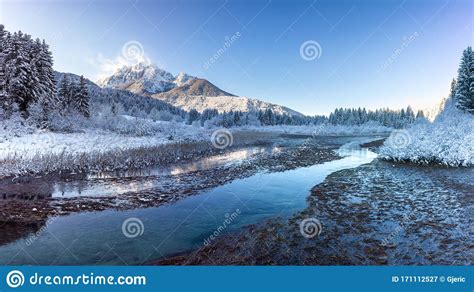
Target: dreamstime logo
399, 139
310, 227
133, 51
222, 138
310, 50
132, 227
15, 279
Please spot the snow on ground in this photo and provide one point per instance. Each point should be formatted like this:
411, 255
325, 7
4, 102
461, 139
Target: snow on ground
449, 140
123, 142
33, 142
93, 140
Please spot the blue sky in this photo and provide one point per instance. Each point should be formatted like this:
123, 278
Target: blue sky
371, 53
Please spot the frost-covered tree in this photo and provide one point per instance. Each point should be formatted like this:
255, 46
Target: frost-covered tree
420, 115
65, 94
19, 77
26, 71
464, 96
192, 116
452, 91
44, 65
82, 99
359, 116
4, 101
208, 114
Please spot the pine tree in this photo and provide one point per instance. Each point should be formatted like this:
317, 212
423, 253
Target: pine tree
46, 74
420, 115
19, 72
64, 93
464, 96
3, 92
193, 115
452, 91
81, 98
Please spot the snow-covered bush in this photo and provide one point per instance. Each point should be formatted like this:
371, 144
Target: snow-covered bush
15, 126
449, 140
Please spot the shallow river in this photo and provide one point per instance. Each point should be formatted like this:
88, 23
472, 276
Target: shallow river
98, 237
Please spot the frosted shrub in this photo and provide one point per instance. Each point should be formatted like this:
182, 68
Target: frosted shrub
449, 140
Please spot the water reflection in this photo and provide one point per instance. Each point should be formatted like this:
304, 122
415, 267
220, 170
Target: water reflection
97, 238
119, 182
30, 190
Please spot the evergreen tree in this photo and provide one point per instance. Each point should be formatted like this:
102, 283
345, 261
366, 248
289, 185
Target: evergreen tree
19, 73
420, 115
46, 75
452, 91
4, 100
193, 115
64, 93
464, 96
81, 98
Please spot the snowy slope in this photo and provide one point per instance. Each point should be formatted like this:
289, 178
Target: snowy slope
58, 77
201, 94
223, 103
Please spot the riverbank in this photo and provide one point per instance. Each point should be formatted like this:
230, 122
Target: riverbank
22, 211
54, 154
380, 213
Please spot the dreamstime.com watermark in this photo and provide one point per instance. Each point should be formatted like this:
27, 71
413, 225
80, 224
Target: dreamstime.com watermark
33, 237
403, 224
16, 279
307, 143
229, 218
221, 51
407, 40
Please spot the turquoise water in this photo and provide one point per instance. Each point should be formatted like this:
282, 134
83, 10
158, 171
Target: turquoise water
97, 237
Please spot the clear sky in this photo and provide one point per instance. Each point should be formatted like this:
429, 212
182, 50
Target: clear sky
368, 53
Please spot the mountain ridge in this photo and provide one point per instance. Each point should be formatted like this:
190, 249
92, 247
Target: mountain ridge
185, 91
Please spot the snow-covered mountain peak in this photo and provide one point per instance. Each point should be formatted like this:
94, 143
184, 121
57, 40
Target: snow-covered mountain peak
144, 78
182, 78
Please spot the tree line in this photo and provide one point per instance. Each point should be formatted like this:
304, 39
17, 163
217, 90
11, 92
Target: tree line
385, 117
340, 116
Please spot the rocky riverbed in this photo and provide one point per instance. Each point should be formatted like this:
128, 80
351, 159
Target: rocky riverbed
26, 209
380, 213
